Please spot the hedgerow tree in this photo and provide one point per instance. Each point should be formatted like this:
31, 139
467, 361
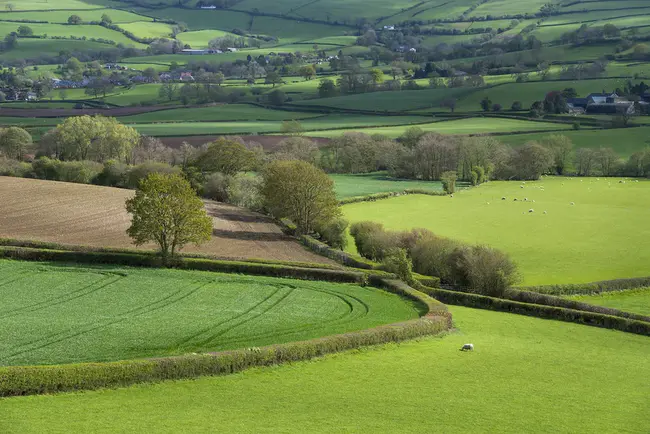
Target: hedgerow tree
226, 156
300, 192
166, 210
14, 142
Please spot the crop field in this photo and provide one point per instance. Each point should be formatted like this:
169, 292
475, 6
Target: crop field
138, 313
603, 236
459, 126
635, 300
96, 216
560, 377
78, 31
379, 182
228, 112
624, 141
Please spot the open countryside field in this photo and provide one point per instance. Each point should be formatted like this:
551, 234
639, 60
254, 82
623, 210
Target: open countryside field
138, 313
636, 300
371, 183
96, 216
603, 236
560, 377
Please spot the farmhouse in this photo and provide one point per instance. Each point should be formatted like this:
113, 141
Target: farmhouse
601, 103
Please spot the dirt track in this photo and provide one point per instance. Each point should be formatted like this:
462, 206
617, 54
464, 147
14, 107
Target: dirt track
95, 216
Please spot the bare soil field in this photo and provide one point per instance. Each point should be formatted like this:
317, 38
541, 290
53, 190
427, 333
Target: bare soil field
89, 215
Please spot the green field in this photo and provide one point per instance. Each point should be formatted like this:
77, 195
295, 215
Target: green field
525, 375
636, 300
36, 48
605, 235
459, 126
62, 314
78, 31
201, 38
371, 183
624, 141
228, 112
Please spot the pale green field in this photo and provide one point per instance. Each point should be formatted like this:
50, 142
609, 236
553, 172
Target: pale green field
37, 5
228, 112
201, 38
460, 126
525, 375
117, 16
143, 29
605, 235
78, 31
34, 48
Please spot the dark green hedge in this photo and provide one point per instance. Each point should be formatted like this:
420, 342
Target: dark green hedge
549, 300
540, 311
30, 380
590, 288
387, 195
145, 260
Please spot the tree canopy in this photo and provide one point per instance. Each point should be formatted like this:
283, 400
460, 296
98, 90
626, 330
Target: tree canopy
166, 210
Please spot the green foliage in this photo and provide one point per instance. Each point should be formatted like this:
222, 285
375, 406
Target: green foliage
141, 171
166, 210
300, 192
334, 233
398, 263
14, 142
226, 156
449, 181
482, 269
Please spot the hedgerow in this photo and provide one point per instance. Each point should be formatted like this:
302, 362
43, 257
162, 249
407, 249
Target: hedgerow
540, 311
590, 288
379, 196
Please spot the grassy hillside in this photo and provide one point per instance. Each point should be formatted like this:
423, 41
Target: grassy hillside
637, 300
571, 244
562, 378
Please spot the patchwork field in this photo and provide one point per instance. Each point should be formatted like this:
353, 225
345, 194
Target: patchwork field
63, 314
371, 183
637, 300
603, 236
96, 216
562, 378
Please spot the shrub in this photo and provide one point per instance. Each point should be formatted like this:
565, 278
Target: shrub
482, 269
449, 181
216, 187
398, 263
366, 238
141, 171
114, 174
81, 172
244, 191
333, 233
431, 257
15, 168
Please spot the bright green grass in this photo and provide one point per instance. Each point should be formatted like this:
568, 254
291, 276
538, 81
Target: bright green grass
228, 112
624, 141
89, 31
611, 5
636, 300
460, 126
605, 235
15, 121
389, 101
34, 48
201, 38
60, 314
200, 20
143, 29
270, 127
525, 375
507, 7
527, 93
38, 5
371, 183
61, 17
431, 10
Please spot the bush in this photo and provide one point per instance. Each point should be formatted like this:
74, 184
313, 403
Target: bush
431, 257
114, 174
141, 171
216, 187
15, 168
591, 288
367, 239
244, 191
449, 181
333, 233
81, 172
482, 269
398, 263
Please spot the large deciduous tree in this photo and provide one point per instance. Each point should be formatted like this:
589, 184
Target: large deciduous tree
300, 192
14, 142
226, 156
167, 211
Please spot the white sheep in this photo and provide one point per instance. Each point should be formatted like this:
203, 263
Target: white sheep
521, 186
525, 199
467, 347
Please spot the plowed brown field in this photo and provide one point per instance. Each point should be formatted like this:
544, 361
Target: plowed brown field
95, 216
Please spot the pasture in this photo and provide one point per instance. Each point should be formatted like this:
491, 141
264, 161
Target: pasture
65, 314
379, 182
603, 236
636, 300
560, 377
95, 216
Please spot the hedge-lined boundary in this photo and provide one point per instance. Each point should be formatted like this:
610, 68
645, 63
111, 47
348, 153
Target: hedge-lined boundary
78, 248
31, 380
537, 310
590, 288
138, 260
387, 195
550, 300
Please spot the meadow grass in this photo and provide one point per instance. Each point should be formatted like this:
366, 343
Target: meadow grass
117, 16
624, 141
379, 182
64, 313
144, 29
35, 48
78, 31
201, 38
202, 20
39, 5
636, 300
459, 126
228, 112
605, 235
525, 375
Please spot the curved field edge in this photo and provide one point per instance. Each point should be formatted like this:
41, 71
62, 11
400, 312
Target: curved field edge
28, 380
602, 387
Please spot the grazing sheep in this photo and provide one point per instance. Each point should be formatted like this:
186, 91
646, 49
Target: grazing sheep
451, 195
525, 199
531, 210
545, 212
467, 347
533, 201
515, 199
573, 203
621, 182
521, 186
503, 198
